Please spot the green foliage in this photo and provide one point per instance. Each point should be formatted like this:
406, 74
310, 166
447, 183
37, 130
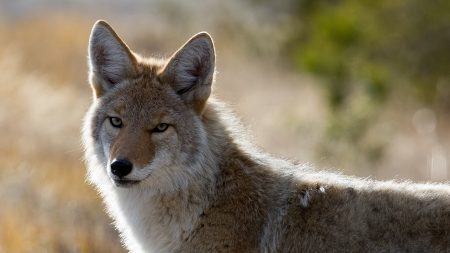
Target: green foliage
365, 50
377, 44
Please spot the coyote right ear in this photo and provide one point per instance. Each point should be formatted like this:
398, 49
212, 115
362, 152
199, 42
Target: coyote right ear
111, 61
191, 69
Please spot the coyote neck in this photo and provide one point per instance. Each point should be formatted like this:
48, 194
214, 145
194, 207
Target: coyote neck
160, 221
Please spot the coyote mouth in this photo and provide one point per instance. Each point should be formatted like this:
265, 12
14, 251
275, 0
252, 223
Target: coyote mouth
124, 183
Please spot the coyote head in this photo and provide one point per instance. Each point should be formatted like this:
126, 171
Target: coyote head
144, 126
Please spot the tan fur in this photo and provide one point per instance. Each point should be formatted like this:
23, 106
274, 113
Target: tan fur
204, 188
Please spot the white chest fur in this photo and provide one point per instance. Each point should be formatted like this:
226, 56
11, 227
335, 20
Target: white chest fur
149, 222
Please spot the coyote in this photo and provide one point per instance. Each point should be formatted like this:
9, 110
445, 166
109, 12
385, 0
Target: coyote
178, 175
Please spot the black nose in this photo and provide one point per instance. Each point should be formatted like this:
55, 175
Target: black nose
121, 167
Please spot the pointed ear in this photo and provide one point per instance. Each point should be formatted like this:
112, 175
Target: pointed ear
110, 59
190, 71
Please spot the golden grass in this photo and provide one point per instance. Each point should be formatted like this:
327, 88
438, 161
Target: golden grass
50, 44
46, 205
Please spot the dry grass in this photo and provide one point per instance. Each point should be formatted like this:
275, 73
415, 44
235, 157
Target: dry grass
47, 206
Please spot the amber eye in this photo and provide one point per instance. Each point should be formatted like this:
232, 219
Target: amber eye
115, 122
161, 128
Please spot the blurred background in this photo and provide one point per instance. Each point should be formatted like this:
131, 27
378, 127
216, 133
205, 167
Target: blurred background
357, 86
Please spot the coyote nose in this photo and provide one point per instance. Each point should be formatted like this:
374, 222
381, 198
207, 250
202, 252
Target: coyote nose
121, 167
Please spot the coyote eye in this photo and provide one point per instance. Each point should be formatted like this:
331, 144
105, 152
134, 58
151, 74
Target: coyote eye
161, 128
115, 122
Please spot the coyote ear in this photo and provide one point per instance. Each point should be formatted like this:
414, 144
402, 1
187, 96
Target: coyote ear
110, 59
190, 71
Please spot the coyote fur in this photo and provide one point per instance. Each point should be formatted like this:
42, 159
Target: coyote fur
177, 174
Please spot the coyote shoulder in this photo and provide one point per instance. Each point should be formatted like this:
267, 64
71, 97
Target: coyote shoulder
177, 175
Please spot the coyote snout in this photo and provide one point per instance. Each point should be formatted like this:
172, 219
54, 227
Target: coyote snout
184, 179
119, 169
131, 151
121, 173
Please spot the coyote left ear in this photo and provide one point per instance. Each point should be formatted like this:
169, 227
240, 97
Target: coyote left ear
190, 71
110, 59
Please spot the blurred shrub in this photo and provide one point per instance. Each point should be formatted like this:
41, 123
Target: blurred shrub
368, 53
379, 45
